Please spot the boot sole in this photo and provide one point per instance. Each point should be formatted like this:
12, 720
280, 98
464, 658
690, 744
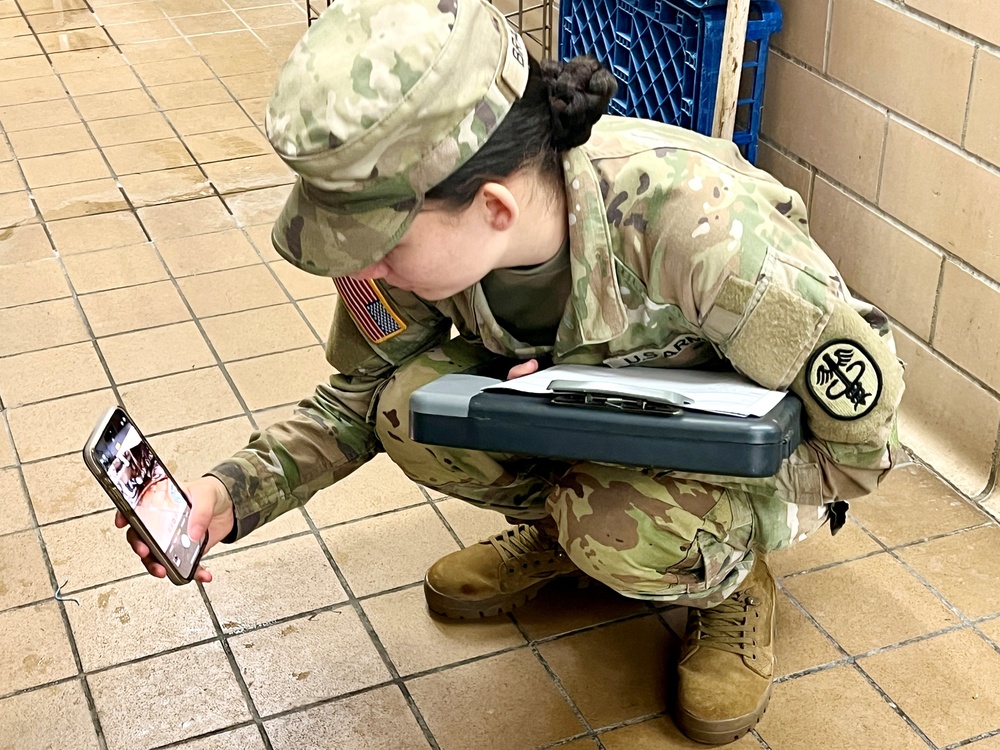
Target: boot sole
721, 732
456, 609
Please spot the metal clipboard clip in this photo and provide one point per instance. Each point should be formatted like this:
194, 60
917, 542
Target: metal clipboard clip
626, 398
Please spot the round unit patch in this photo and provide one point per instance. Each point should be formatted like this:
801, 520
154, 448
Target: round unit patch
844, 379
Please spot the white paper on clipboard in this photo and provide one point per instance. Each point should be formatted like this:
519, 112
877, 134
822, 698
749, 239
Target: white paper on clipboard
714, 392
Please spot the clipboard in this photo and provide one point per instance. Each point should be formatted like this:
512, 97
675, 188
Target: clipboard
585, 424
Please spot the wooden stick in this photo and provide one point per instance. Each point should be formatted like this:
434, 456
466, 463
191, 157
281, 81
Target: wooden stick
731, 66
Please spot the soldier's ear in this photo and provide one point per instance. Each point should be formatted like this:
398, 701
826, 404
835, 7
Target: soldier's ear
498, 206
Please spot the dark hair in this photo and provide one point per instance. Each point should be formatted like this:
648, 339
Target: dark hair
560, 105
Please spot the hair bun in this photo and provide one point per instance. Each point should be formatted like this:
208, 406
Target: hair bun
579, 93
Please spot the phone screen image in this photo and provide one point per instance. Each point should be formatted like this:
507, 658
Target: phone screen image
141, 478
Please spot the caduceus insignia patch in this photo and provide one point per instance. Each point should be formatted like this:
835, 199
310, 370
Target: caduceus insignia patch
844, 379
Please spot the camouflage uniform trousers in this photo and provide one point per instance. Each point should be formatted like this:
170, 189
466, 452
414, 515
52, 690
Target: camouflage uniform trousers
640, 531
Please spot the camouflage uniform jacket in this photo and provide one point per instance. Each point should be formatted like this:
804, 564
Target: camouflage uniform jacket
681, 254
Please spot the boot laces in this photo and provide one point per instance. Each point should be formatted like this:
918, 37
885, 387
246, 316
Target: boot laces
526, 540
730, 626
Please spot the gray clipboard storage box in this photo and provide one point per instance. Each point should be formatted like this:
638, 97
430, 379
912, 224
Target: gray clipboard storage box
455, 411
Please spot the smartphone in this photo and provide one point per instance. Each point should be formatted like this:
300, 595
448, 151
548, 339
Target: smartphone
140, 486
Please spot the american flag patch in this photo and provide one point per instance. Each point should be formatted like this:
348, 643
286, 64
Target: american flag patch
364, 300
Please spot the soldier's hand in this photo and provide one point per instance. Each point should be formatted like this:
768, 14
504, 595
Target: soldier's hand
211, 508
525, 368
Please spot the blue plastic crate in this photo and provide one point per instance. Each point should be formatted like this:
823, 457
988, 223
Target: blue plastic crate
665, 55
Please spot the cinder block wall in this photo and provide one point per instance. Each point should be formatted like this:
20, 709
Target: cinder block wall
885, 116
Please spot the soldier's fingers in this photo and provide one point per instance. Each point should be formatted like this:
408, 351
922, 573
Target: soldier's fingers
155, 569
525, 368
137, 545
120, 521
203, 575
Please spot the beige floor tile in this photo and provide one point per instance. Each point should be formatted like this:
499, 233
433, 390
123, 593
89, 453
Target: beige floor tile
186, 219
31, 7
564, 606
7, 456
223, 64
471, 523
38, 281
286, 525
463, 707
822, 549
50, 373
417, 641
991, 628
256, 109
319, 312
261, 331
870, 603
112, 15
178, 71
799, 644
990, 743
74, 40
888, 513
260, 236
228, 43
89, 551
376, 487
156, 351
182, 184
205, 253
21, 46
163, 50
34, 648
249, 174
189, 453
81, 199
51, 428
244, 738
132, 129
306, 660
301, 284
835, 709
10, 178
114, 79
14, 513
40, 115
69, 20
23, 67
28, 90
231, 291
40, 326
963, 568
281, 39
62, 169
616, 672
56, 716
24, 577
279, 378
45, 141
209, 118
412, 539
134, 308
144, 31
111, 269
957, 670
115, 104
63, 488
252, 85
175, 8
77, 61
180, 400
11, 26
24, 244
258, 207
269, 582
273, 15
210, 700
375, 720
99, 232
16, 209
149, 156
5, 152
661, 734
138, 617
209, 23
267, 417
190, 94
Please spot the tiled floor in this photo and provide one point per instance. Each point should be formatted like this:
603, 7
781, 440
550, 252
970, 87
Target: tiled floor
136, 193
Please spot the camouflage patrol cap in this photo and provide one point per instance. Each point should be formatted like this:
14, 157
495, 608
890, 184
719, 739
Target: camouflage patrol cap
379, 102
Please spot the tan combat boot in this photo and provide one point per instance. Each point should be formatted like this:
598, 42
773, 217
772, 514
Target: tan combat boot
727, 661
497, 574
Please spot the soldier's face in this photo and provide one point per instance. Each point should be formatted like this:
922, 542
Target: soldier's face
443, 253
